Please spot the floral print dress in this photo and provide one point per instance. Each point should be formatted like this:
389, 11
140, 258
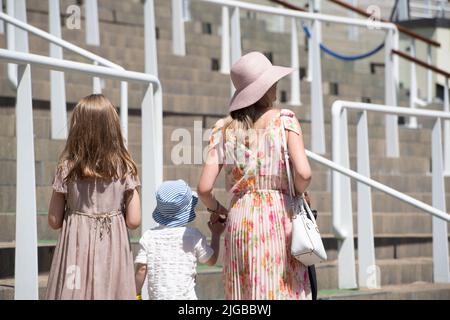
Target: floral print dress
257, 259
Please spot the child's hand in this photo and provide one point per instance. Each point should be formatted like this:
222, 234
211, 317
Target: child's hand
220, 215
216, 228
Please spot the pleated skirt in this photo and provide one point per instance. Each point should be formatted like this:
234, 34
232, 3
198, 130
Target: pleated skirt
257, 260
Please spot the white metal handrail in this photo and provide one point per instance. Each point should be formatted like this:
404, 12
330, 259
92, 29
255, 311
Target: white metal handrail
342, 200
231, 51
59, 127
58, 41
26, 271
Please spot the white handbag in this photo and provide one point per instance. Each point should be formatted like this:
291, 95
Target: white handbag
306, 246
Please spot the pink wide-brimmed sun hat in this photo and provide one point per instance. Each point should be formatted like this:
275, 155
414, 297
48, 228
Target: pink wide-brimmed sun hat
252, 76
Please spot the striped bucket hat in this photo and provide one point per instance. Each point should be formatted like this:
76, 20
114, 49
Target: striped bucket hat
175, 204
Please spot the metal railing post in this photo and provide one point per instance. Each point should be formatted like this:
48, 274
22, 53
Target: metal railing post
21, 36
26, 260
124, 109
57, 81
309, 41
413, 86
391, 135
295, 75
353, 31
429, 76
367, 274
92, 23
11, 43
236, 49
151, 55
178, 35
335, 175
96, 83
428, 4
225, 52
317, 117
441, 9
279, 22
346, 254
440, 235
2, 24
341, 200
446, 130
150, 157
152, 153
187, 10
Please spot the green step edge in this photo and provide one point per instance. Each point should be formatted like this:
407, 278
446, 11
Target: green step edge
328, 292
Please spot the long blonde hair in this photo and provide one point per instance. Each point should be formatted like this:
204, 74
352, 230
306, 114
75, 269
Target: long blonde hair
242, 120
95, 147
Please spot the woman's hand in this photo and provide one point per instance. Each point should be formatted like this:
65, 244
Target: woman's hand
216, 228
220, 215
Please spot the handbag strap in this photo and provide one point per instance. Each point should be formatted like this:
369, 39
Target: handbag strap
286, 159
289, 175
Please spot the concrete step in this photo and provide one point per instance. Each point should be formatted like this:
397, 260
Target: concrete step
194, 105
131, 15
252, 34
209, 280
403, 174
45, 253
413, 291
49, 150
386, 224
321, 181
7, 287
393, 272
397, 236
185, 121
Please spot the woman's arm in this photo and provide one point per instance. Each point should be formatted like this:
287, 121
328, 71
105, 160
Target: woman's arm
133, 215
205, 187
297, 154
56, 210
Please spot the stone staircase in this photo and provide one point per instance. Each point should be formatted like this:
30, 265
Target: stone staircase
195, 92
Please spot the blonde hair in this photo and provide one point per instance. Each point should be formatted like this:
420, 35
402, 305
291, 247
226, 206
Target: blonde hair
95, 147
242, 120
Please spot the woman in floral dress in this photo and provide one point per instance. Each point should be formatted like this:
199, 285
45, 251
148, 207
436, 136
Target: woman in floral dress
248, 146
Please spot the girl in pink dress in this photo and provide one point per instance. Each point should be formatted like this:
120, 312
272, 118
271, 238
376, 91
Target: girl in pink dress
94, 201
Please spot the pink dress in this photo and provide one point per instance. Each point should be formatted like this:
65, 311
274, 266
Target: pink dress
257, 259
93, 258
